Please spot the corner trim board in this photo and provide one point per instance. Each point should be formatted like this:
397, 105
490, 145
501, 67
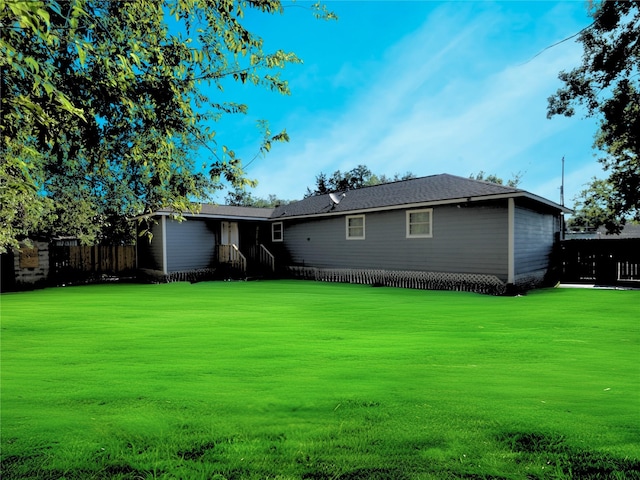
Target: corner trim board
511, 242
164, 245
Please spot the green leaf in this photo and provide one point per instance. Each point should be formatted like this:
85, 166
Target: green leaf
48, 87
32, 64
44, 15
136, 59
82, 54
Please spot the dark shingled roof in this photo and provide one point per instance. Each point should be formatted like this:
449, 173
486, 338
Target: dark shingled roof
431, 189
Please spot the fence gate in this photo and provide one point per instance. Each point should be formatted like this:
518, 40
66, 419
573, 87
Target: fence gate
77, 263
602, 261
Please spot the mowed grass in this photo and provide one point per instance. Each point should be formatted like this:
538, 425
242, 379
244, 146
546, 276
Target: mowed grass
304, 380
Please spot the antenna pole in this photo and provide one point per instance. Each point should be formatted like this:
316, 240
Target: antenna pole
562, 186
563, 226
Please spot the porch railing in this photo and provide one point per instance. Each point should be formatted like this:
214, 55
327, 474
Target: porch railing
231, 254
267, 258
628, 272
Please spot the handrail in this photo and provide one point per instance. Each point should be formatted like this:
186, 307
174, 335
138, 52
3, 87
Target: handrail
267, 258
232, 254
239, 258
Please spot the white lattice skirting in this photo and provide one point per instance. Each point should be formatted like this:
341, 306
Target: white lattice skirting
198, 275
464, 282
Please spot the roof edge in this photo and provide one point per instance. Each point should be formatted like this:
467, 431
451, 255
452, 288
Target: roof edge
433, 203
171, 213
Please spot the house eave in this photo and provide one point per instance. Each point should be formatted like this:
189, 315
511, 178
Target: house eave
204, 215
225, 217
544, 201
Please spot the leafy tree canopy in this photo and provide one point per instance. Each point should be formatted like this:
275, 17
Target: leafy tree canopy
358, 177
592, 207
607, 86
103, 111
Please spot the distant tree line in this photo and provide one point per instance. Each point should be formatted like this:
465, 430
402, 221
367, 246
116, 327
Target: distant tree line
358, 177
514, 181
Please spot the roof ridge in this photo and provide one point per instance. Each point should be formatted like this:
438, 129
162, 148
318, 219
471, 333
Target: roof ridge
458, 177
430, 189
365, 187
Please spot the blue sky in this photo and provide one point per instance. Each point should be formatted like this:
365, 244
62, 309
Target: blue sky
422, 86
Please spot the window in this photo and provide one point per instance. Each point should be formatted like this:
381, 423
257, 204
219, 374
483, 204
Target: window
277, 232
419, 223
355, 227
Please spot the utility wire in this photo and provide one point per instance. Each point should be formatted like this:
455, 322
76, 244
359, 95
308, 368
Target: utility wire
558, 43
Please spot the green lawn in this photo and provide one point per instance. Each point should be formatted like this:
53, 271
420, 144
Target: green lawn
305, 380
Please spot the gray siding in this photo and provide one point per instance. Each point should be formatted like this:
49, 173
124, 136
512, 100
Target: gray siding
190, 244
150, 253
535, 235
465, 240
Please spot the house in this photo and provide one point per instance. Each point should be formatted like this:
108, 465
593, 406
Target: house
217, 235
440, 231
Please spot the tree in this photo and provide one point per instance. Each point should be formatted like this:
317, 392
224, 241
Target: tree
103, 112
242, 198
358, 177
493, 178
607, 85
380, 179
592, 207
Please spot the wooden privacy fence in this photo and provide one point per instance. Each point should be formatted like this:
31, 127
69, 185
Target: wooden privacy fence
603, 261
81, 262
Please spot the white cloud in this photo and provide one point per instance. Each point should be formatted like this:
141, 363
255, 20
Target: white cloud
436, 103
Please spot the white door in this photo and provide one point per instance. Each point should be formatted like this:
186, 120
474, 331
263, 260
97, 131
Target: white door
230, 235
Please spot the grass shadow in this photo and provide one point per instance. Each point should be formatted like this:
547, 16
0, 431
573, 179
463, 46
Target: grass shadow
568, 460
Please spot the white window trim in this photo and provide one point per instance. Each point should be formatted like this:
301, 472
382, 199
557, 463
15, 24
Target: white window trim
364, 230
273, 231
408, 224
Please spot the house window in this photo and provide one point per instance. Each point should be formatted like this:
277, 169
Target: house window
355, 227
277, 232
419, 223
